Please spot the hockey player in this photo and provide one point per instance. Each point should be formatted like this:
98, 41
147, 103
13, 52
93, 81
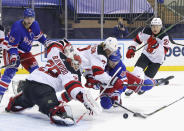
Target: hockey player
94, 60
58, 74
18, 45
111, 96
153, 54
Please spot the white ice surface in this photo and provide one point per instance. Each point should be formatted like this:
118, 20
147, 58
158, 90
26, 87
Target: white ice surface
169, 119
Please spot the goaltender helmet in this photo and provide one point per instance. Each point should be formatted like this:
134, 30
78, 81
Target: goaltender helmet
29, 13
111, 43
156, 21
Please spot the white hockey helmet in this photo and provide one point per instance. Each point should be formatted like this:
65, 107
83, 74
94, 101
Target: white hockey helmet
156, 21
111, 43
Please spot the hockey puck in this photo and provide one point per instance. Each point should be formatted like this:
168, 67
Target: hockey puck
125, 115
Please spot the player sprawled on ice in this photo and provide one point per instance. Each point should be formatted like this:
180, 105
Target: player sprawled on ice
94, 60
61, 72
17, 46
123, 79
153, 54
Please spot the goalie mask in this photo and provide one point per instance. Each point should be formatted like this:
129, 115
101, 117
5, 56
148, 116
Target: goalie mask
75, 62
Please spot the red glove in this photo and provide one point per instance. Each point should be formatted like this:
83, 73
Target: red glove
115, 86
152, 44
131, 52
91, 82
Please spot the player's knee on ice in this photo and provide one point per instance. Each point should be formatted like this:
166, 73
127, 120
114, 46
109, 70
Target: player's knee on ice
147, 84
106, 102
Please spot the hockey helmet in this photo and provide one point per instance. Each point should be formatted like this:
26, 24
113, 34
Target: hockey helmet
115, 56
111, 43
156, 21
29, 12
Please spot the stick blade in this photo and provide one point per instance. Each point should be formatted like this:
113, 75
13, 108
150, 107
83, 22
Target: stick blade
139, 115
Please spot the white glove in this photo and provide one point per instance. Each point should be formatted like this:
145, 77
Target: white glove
90, 103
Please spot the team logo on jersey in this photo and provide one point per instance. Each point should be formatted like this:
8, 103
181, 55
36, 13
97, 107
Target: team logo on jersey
11, 39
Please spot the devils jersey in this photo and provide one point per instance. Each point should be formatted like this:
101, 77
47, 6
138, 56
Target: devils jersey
57, 72
94, 61
158, 55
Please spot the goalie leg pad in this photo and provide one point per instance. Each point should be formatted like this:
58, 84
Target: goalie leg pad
62, 115
18, 103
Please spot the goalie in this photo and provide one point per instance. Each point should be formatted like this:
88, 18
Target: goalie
60, 72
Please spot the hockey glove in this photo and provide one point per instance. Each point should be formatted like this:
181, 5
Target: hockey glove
88, 101
14, 60
92, 83
116, 97
152, 44
131, 52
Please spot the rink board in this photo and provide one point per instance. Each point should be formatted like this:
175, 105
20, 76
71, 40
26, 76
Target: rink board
174, 58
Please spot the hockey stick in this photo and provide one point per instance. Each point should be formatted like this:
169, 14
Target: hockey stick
167, 29
9, 65
157, 84
173, 42
163, 107
146, 24
80, 118
135, 114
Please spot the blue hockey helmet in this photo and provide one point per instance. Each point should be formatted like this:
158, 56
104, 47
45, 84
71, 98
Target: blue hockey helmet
29, 13
115, 56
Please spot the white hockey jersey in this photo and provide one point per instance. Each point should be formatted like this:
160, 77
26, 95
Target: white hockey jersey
57, 72
158, 55
94, 61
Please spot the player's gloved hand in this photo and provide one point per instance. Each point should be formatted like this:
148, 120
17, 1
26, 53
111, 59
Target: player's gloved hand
88, 101
91, 82
131, 52
14, 60
152, 44
116, 97
118, 83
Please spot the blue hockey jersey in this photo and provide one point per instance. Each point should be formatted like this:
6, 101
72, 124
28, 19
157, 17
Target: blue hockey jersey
121, 74
20, 39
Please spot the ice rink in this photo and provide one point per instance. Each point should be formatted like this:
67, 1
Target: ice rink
169, 119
